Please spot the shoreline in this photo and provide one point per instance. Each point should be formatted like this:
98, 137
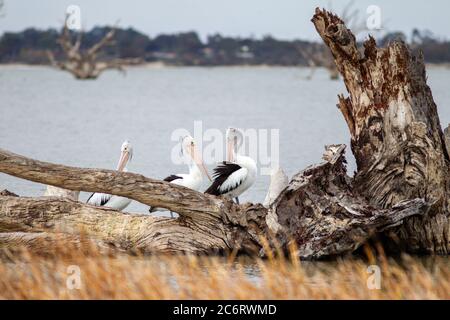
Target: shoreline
160, 65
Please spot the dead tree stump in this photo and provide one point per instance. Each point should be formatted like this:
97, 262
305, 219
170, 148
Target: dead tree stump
396, 135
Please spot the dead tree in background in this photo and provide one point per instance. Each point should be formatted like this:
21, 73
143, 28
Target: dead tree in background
319, 55
399, 193
84, 64
316, 55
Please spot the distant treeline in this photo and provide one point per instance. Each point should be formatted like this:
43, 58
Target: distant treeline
30, 46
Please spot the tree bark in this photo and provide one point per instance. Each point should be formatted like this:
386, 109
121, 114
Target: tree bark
45, 243
125, 231
316, 210
396, 135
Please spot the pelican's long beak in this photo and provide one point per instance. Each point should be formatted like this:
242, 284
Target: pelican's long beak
230, 150
199, 161
124, 157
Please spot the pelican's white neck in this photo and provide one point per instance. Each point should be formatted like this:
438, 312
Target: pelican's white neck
194, 169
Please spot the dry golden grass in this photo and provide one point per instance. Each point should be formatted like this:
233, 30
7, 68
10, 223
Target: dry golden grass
25, 275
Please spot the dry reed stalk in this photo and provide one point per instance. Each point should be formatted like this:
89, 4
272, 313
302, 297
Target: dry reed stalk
113, 275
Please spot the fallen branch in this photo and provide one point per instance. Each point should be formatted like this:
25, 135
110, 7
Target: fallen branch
207, 223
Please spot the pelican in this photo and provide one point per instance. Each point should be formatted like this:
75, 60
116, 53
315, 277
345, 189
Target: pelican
234, 176
278, 181
193, 179
113, 201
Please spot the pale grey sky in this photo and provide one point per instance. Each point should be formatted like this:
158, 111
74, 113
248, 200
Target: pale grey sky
285, 19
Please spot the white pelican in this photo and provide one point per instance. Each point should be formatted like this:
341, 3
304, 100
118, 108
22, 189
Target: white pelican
192, 180
278, 181
113, 201
237, 174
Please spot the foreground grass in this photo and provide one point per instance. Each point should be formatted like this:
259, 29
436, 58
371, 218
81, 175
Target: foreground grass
74, 273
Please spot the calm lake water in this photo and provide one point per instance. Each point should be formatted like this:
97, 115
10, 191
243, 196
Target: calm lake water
48, 115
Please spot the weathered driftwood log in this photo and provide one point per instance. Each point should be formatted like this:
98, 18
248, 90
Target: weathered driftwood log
395, 132
402, 177
52, 191
316, 210
50, 243
84, 64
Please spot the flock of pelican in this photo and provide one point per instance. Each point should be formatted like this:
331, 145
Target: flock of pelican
231, 178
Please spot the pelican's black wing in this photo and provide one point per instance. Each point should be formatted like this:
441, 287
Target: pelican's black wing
172, 177
99, 199
221, 173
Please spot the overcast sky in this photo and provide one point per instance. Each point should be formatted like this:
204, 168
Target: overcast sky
285, 19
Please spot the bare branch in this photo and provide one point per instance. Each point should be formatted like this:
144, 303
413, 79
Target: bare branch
152, 192
106, 40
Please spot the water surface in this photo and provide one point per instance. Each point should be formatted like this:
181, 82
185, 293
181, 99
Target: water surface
47, 115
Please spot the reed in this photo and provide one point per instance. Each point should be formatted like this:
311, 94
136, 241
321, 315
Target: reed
105, 274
